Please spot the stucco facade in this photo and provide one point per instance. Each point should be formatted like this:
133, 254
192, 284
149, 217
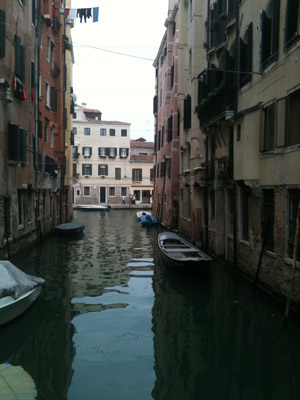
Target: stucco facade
166, 199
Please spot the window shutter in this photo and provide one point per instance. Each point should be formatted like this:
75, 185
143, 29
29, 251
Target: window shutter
249, 48
40, 129
2, 33
201, 90
98, 168
275, 26
265, 39
13, 142
187, 112
106, 169
18, 57
22, 77
170, 128
53, 99
91, 150
23, 145
127, 152
83, 169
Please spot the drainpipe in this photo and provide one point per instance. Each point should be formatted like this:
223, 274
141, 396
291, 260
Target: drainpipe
63, 161
234, 216
36, 127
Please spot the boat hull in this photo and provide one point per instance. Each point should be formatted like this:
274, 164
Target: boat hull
177, 253
70, 229
11, 308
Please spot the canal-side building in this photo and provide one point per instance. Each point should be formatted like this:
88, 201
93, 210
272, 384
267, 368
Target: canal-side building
267, 143
193, 210
33, 44
142, 170
238, 101
101, 159
165, 110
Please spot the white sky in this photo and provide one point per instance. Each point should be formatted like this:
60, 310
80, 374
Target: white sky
121, 87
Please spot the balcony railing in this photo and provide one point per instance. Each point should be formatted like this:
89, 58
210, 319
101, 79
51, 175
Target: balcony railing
216, 104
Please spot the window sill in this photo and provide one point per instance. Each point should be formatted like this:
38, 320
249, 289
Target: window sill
289, 261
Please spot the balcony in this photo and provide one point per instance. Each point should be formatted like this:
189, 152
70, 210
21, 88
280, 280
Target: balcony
216, 105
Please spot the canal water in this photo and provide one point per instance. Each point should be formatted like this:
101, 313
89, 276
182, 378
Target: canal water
114, 323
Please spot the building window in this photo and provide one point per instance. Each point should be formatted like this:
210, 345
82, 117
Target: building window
152, 174
112, 132
292, 28
123, 132
112, 152
137, 175
293, 118
269, 33
124, 152
111, 191
47, 94
118, 173
74, 169
269, 127
267, 218
87, 151
21, 195
103, 169
246, 56
87, 131
102, 151
86, 169
17, 143
294, 198
102, 131
74, 130
124, 191
48, 48
52, 136
244, 222
86, 191
46, 130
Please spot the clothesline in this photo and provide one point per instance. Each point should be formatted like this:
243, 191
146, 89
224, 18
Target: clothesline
82, 13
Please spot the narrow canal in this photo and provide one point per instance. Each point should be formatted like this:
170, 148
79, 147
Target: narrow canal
113, 323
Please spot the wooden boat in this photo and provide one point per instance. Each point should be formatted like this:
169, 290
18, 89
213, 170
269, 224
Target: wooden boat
181, 254
95, 207
140, 213
148, 220
17, 291
70, 228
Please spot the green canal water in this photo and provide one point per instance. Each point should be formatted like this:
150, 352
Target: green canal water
114, 323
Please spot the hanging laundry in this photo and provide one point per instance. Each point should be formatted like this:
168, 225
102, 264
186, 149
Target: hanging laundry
73, 13
67, 12
89, 13
95, 14
81, 13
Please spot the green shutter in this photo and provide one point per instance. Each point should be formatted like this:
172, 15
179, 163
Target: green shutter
18, 57
275, 26
249, 48
23, 145
187, 121
2, 33
106, 169
13, 142
22, 77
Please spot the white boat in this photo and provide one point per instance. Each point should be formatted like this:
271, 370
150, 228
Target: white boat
140, 213
17, 291
97, 207
181, 254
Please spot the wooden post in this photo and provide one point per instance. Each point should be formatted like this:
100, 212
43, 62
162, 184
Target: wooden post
288, 303
261, 253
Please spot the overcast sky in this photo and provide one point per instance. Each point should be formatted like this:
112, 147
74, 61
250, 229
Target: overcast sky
104, 78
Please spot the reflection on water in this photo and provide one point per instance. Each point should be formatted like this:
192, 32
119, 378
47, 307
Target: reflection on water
114, 323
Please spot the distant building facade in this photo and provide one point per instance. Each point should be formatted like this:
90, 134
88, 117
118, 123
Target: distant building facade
166, 187
33, 121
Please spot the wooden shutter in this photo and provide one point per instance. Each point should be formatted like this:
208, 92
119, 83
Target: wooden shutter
249, 48
187, 117
275, 26
106, 169
13, 142
265, 39
2, 33
23, 145
18, 57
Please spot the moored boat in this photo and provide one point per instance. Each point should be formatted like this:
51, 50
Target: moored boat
181, 254
18, 291
70, 228
140, 213
148, 220
95, 207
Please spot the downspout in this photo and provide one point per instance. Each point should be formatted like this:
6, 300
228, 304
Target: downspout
63, 161
36, 128
206, 149
234, 215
